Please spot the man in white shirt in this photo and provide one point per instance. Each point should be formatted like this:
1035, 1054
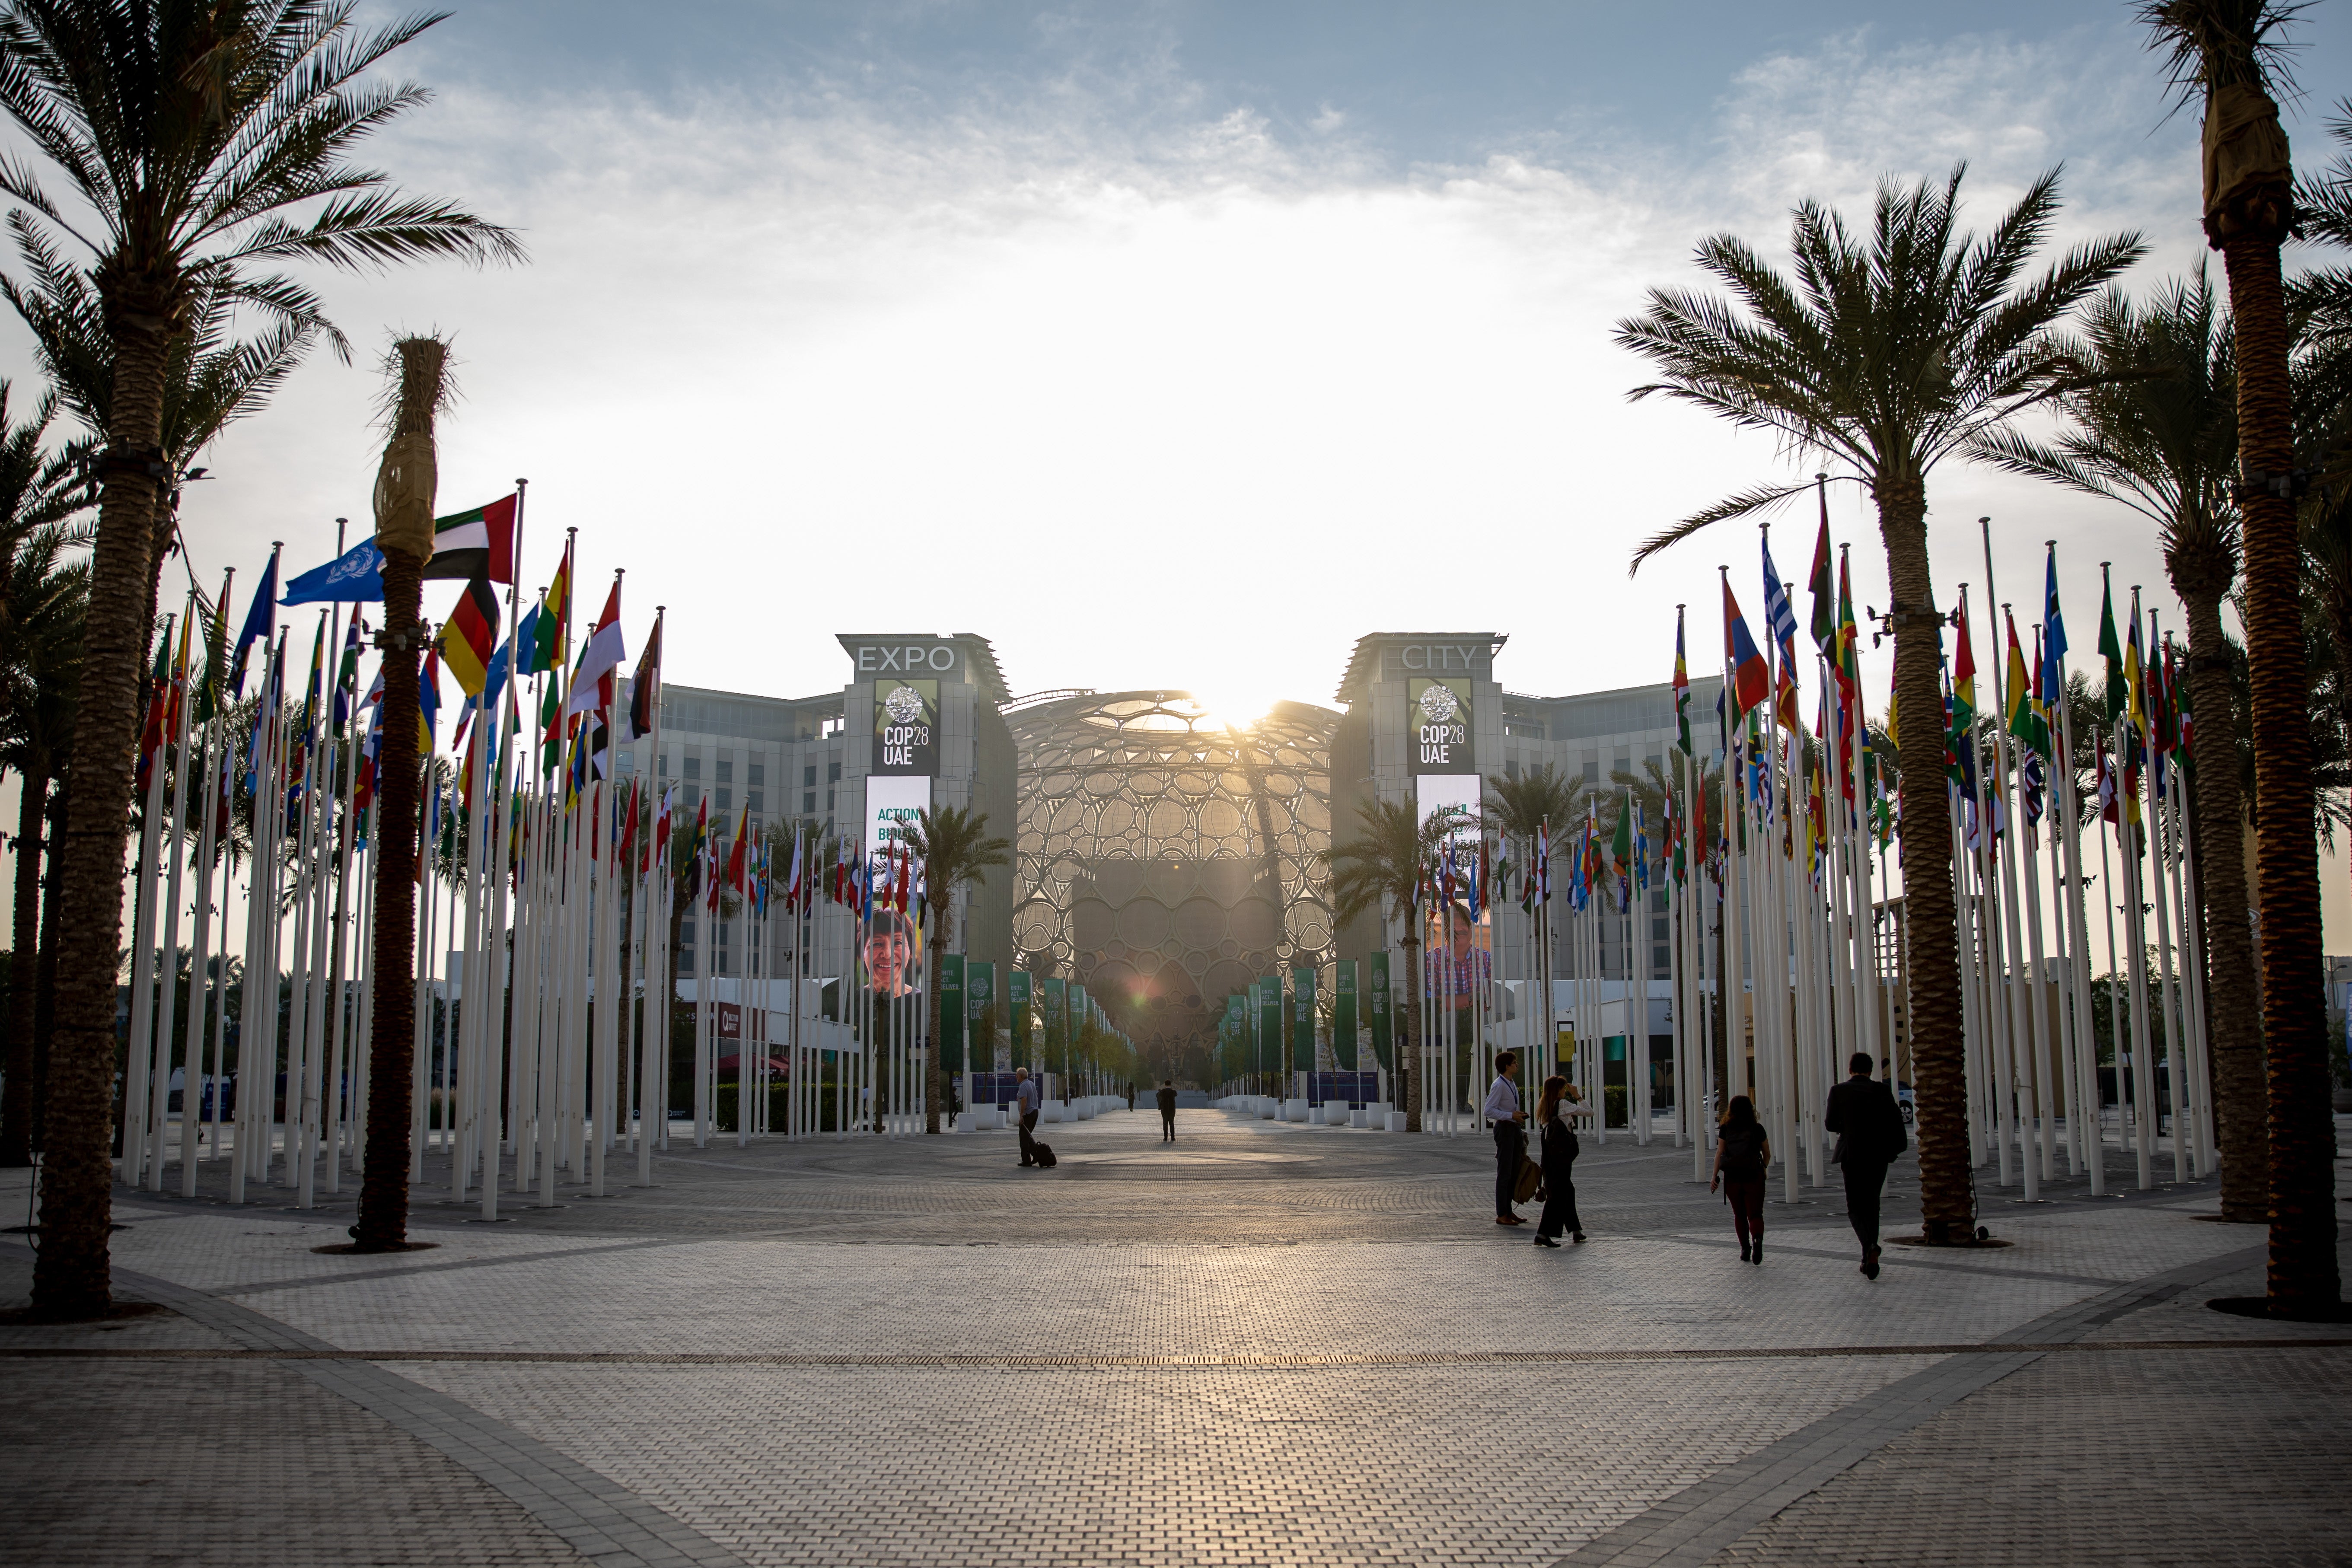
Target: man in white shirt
1502, 1109
1025, 1099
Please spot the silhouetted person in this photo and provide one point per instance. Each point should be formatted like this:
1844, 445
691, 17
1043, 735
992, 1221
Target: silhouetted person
1167, 1111
1502, 1109
1555, 1112
1869, 1126
1742, 1154
1025, 1102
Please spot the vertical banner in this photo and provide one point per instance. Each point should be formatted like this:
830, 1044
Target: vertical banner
979, 1007
1018, 988
952, 1030
905, 727
1235, 1059
1302, 1017
1077, 1012
1437, 709
1056, 1005
1269, 1023
1343, 1014
1377, 992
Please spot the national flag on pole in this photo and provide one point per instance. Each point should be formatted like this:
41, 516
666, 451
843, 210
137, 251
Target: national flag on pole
551, 649
476, 543
2025, 723
354, 577
735, 855
1963, 684
1751, 681
644, 685
2111, 649
590, 682
1848, 661
1682, 688
260, 622
2053, 624
469, 634
1825, 609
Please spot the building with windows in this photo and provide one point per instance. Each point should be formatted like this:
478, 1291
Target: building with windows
1165, 858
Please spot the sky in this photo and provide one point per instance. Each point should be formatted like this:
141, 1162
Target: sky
1176, 345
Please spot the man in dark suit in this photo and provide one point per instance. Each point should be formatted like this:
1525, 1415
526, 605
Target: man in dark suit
1869, 1128
1168, 1111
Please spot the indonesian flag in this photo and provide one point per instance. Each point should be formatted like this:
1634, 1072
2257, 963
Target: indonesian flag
592, 683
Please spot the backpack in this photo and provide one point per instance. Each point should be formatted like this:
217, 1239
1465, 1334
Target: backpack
1044, 1154
1743, 1151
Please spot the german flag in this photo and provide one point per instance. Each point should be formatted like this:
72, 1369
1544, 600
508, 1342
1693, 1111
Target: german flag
469, 634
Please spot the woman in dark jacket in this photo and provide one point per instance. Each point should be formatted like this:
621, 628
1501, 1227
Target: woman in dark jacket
1560, 1103
1742, 1154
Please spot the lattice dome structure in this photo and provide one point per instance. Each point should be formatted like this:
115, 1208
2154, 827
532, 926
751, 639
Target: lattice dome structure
1165, 860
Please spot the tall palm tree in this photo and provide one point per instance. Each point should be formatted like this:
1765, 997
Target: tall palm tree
48, 589
954, 847
2223, 56
201, 140
1380, 871
1885, 354
2159, 434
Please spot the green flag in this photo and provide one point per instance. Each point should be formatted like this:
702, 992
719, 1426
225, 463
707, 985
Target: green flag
1302, 1027
1054, 1007
1343, 1014
1376, 998
1269, 1023
951, 1018
980, 1008
2111, 649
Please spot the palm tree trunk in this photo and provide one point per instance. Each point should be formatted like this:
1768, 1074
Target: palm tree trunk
384, 1189
72, 1278
1408, 1080
44, 985
24, 966
2302, 1271
1947, 1197
2234, 1026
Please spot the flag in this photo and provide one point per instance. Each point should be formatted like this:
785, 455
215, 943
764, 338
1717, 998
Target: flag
1848, 663
644, 685
551, 649
1780, 617
660, 845
1963, 684
1826, 608
260, 622
793, 891
1682, 688
468, 635
152, 731
2054, 645
2025, 718
1620, 851
591, 680
735, 855
354, 577
476, 543
1751, 682
2112, 651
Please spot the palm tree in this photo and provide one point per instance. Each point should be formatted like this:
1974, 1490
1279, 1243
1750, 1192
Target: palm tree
1518, 806
955, 850
2159, 434
200, 139
48, 596
1886, 354
1380, 871
2224, 55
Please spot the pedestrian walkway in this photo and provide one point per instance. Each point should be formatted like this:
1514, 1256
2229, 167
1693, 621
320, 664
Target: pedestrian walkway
1268, 1343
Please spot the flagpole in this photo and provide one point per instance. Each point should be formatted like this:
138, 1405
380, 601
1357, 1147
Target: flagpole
2158, 893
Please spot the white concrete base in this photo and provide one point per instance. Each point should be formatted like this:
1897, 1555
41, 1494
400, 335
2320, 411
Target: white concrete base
1294, 1110
1315, 1116
1396, 1120
1050, 1111
1360, 1118
1265, 1108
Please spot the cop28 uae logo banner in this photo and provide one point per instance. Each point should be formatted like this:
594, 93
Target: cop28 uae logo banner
1437, 709
905, 727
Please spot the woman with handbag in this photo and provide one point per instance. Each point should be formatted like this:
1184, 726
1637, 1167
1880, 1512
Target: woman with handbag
1554, 1113
1742, 1154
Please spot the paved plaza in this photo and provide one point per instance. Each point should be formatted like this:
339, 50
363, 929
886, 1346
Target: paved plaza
1263, 1345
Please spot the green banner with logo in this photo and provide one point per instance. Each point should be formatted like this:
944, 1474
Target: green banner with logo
1269, 1025
1343, 1014
1376, 998
1080, 1010
1233, 1037
1302, 1018
951, 1012
1052, 1005
1019, 989
979, 1007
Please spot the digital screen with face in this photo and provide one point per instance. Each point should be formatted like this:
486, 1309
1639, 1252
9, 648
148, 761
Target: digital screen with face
893, 964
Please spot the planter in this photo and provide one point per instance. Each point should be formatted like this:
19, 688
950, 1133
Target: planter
1396, 1120
1294, 1110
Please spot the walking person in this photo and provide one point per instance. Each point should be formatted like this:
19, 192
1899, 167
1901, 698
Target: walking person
1869, 1128
1167, 1111
1742, 1154
1025, 1094
1560, 1102
1502, 1109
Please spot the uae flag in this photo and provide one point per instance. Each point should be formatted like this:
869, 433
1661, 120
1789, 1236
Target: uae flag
469, 635
476, 543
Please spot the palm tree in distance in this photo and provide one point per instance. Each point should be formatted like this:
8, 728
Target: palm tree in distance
1380, 871
955, 850
47, 588
206, 141
2159, 434
2224, 57
1885, 354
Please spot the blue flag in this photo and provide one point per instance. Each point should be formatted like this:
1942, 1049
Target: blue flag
2054, 635
260, 622
354, 577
